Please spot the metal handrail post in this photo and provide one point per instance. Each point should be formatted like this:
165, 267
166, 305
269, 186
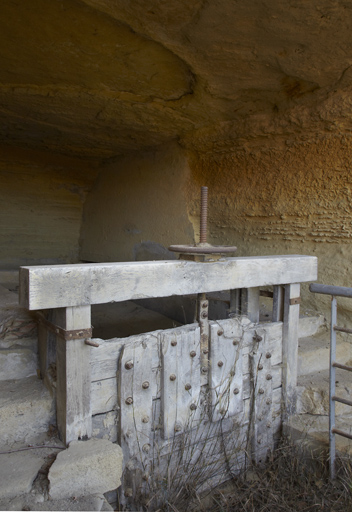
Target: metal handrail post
332, 379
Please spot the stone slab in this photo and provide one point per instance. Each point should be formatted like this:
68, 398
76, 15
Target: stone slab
94, 503
17, 473
86, 467
17, 363
26, 410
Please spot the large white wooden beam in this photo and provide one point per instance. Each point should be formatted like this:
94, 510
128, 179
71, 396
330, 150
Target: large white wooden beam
43, 287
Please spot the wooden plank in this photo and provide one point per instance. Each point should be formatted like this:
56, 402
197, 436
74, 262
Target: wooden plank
278, 304
250, 303
290, 348
180, 381
225, 375
43, 287
73, 403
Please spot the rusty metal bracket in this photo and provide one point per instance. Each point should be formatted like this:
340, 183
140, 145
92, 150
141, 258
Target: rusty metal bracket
296, 300
75, 334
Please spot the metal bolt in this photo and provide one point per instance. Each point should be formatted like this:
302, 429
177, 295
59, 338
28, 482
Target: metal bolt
268, 355
205, 351
129, 400
260, 366
220, 333
188, 387
129, 365
220, 364
269, 377
173, 343
205, 304
145, 419
236, 391
146, 448
203, 215
193, 353
204, 369
261, 391
257, 338
145, 385
204, 314
193, 407
235, 342
178, 427
172, 376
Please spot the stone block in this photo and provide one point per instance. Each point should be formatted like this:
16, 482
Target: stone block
17, 473
85, 468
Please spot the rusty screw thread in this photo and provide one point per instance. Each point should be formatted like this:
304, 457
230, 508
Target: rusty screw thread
203, 215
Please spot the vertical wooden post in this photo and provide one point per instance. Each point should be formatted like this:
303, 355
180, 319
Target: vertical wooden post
278, 304
235, 303
46, 344
250, 303
290, 347
73, 406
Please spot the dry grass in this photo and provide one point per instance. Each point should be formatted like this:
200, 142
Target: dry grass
290, 482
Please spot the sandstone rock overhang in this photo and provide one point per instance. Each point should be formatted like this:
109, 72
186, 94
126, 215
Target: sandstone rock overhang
98, 78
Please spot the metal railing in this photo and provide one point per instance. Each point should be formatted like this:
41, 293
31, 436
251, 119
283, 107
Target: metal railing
334, 291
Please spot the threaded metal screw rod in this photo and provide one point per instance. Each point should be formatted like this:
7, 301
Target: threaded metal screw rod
203, 215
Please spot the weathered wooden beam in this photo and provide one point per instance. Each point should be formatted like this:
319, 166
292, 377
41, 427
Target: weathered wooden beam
43, 287
73, 403
290, 347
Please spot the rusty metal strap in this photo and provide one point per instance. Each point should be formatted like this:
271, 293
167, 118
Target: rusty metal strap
296, 300
76, 334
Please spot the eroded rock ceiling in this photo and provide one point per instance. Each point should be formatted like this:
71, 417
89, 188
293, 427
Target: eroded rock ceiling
99, 78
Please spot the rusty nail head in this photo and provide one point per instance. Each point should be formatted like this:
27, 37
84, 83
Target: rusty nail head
268, 355
269, 377
188, 387
129, 365
129, 400
173, 343
193, 353
177, 428
205, 351
172, 376
261, 391
220, 333
235, 342
260, 366
204, 314
145, 419
205, 304
257, 338
204, 369
236, 391
220, 364
193, 407
146, 448
145, 385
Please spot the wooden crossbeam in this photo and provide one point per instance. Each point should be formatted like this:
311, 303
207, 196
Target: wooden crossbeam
45, 287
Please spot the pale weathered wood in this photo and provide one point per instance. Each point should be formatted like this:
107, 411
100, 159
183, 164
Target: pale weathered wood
180, 380
46, 344
250, 303
278, 304
43, 287
73, 403
290, 347
225, 375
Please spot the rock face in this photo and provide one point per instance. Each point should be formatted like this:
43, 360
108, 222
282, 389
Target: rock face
114, 113
85, 468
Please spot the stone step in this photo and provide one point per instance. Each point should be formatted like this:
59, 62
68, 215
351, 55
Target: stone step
26, 410
313, 393
309, 325
312, 432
